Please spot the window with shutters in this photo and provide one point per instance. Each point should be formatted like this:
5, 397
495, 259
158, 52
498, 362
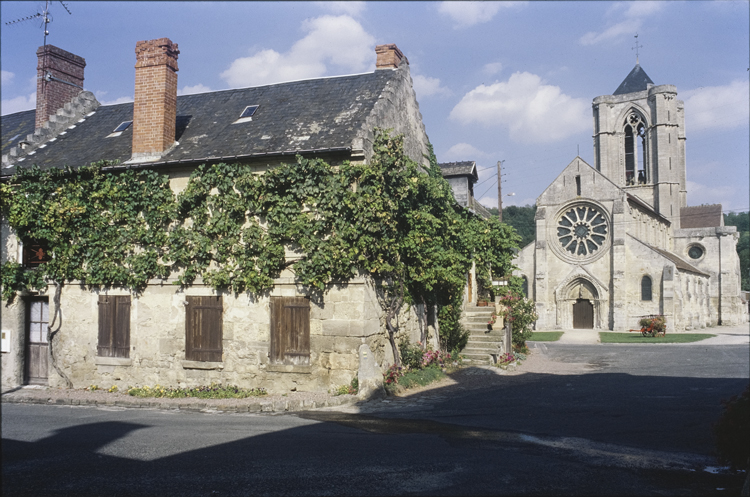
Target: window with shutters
203, 329
290, 331
114, 326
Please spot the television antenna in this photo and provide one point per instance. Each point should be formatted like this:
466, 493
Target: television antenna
44, 15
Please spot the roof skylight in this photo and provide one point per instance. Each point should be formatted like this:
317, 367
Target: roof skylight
119, 129
247, 114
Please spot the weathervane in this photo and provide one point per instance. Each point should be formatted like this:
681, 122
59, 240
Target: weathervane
636, 47
45, 15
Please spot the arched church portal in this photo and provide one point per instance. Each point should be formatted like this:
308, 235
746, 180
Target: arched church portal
579, 306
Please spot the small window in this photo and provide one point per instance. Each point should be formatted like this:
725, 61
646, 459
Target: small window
695, 252
114, 326
203, 329
122, 127
646, 288
35, 253
249, 111
578, 185
290, 330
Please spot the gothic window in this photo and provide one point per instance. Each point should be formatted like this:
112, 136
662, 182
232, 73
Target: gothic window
635, 150
646, 288
582, 230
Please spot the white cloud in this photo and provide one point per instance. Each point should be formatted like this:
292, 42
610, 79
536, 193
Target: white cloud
349, 8
331, 41
17, 104
717, 107
7, 76
426, 86
630, 15
492, 68
532, 111
466, 14
189, 90
462, 151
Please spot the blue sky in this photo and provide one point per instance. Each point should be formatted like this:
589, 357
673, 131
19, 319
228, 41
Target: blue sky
508, 81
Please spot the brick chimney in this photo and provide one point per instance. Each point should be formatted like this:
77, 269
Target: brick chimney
51, 93
389, 56
155, 106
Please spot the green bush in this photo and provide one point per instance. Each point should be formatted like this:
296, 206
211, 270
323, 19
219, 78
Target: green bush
411, 355
732, 431
520, 312
421, 377
213, 391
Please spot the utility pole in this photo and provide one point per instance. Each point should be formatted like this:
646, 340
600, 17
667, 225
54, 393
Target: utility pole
499, 190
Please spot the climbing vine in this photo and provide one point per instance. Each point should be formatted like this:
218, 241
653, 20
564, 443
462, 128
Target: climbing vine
236, 229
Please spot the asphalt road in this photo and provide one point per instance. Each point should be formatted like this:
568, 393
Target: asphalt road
636, 420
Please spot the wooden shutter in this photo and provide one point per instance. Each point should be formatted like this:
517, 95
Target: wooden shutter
106, 316
114, 326
121, 327
203, 329
290, 330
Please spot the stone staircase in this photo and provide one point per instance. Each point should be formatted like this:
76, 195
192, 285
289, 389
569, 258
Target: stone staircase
484, 345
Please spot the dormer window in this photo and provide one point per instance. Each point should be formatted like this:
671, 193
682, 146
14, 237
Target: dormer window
119, 129
247, 114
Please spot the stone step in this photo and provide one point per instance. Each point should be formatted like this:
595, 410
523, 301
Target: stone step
473, 344
486, 338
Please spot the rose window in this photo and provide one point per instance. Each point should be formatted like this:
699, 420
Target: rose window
582, 230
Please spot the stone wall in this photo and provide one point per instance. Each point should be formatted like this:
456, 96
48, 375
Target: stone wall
348, 316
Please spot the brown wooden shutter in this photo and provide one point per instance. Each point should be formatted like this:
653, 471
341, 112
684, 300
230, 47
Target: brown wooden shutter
114, 326
106, 317
121, 331
203, 329
290, 330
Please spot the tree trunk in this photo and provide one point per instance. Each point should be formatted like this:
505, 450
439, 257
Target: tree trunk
56, 313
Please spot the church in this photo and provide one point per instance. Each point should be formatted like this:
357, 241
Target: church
616, 240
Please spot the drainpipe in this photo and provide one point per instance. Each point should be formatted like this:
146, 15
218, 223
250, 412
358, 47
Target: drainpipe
718, 235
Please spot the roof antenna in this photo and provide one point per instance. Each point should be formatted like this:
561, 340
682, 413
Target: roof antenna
44, 14
636, 47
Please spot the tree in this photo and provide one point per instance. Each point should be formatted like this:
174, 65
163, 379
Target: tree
742, 221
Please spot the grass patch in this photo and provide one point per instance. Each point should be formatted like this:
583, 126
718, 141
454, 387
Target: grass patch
416, 378
611, 337
545, 336
213, 391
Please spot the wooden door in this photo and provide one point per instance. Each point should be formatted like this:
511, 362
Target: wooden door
583, 314
290, 330
203, 329
37, 348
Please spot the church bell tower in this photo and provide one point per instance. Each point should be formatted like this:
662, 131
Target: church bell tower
639, 142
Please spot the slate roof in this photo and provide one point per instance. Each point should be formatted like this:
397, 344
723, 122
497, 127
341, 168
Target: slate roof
312, 115
637, 80
16, 127
678, 262
463, 168
701, 216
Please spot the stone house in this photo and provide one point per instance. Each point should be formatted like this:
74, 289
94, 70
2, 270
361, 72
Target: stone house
282, 341
616, 241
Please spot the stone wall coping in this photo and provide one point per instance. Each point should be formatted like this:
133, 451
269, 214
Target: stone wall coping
288, 368
202, 365
113, 361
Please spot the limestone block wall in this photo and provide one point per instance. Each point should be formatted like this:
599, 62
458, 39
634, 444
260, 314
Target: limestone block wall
347, 316
397, 109
721, 262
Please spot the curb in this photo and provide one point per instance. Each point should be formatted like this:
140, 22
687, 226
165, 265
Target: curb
265, 407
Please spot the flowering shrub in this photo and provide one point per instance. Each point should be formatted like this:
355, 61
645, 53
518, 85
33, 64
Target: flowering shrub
393, 374
654, 325
520, 312
350, 389
505, 358
493, 319
435, 357
112, 389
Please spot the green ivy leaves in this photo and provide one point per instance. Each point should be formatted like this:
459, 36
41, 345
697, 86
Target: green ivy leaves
231, 227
